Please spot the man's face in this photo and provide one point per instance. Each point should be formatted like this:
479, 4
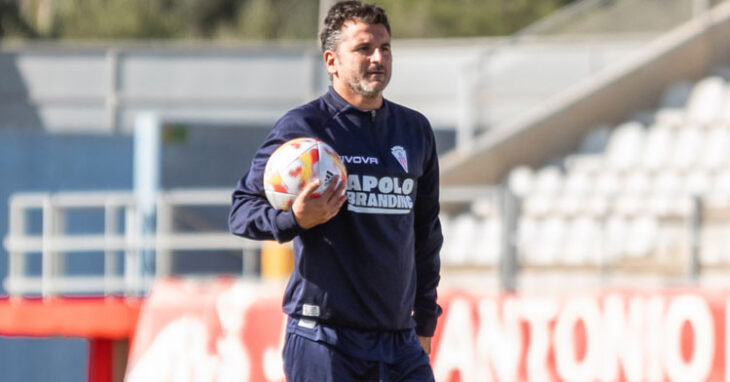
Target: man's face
363, 59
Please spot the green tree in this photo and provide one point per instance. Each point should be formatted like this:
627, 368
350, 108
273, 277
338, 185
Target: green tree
256, 19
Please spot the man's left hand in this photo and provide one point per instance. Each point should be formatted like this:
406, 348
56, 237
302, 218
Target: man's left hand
425, 343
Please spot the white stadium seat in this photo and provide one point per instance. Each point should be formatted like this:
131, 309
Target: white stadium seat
671, 117
672, 241
537, 205
577, 184
636, 183
576, 191
597, 206
721, 183
616, 230
629, 205
642, 236
724, 116
521, 181
548, 181
697, 183
714, 155
713, 244
582, 242
625, 146
488, 241
667, 182
463, 231
550, 241
588, 164
687, 148
485, 207
706, 101
658, 148
607, 183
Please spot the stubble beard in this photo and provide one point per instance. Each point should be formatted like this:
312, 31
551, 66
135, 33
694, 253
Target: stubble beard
360, 87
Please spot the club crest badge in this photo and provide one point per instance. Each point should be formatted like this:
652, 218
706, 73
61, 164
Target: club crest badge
400, 154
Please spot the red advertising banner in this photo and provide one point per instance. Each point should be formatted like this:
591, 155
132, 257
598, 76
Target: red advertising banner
233, 331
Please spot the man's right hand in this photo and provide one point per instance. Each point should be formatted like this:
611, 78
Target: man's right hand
311, 209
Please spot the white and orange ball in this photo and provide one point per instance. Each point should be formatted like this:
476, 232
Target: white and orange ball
296, 163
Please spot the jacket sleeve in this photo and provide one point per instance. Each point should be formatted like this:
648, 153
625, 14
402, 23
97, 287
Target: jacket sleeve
428, 245
251, 215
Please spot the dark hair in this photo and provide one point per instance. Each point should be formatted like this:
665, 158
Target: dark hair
349, 10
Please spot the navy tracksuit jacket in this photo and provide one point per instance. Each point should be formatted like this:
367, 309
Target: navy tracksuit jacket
375, 265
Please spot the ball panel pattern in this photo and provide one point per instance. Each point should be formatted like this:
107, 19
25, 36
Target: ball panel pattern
296, 163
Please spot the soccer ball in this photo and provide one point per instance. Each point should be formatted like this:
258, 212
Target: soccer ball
296, 163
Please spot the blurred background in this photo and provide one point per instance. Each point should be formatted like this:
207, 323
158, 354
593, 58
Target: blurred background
583, 146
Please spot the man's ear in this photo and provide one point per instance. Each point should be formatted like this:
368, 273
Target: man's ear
329, 62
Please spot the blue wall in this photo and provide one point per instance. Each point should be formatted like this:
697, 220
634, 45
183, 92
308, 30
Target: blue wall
36, 161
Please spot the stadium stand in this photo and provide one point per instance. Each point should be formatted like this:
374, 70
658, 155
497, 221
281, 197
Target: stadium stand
623, 195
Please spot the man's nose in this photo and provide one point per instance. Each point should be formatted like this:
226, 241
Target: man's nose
377, 56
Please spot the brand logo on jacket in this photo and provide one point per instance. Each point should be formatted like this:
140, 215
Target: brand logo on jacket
400, 154
358, 159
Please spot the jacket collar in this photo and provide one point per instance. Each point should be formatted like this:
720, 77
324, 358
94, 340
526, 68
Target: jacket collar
333, 99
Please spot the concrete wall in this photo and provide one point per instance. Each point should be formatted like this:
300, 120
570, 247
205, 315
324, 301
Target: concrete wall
100, 88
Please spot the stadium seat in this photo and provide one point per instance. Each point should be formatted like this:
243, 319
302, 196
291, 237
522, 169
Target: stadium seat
463, 231
672, 242
550, 241
488, 241
658, 148
607, 183
484, 207
636, 183
671, 117
576, 190
625, 146
588, 164
714, 154
548, 181
583, 242
629, 205
719, 194
713, 244
615, 233
686, 150
596, 206
667, 182
697, 183
706, 101
521, 181
537, 205
642, 236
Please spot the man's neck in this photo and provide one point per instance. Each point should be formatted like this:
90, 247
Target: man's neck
358, 100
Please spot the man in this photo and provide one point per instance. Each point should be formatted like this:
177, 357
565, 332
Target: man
362, 297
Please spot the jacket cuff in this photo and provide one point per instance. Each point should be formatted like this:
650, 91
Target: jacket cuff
425, 322
287, 227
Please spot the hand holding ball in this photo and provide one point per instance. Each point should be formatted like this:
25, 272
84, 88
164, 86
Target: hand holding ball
309, 168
